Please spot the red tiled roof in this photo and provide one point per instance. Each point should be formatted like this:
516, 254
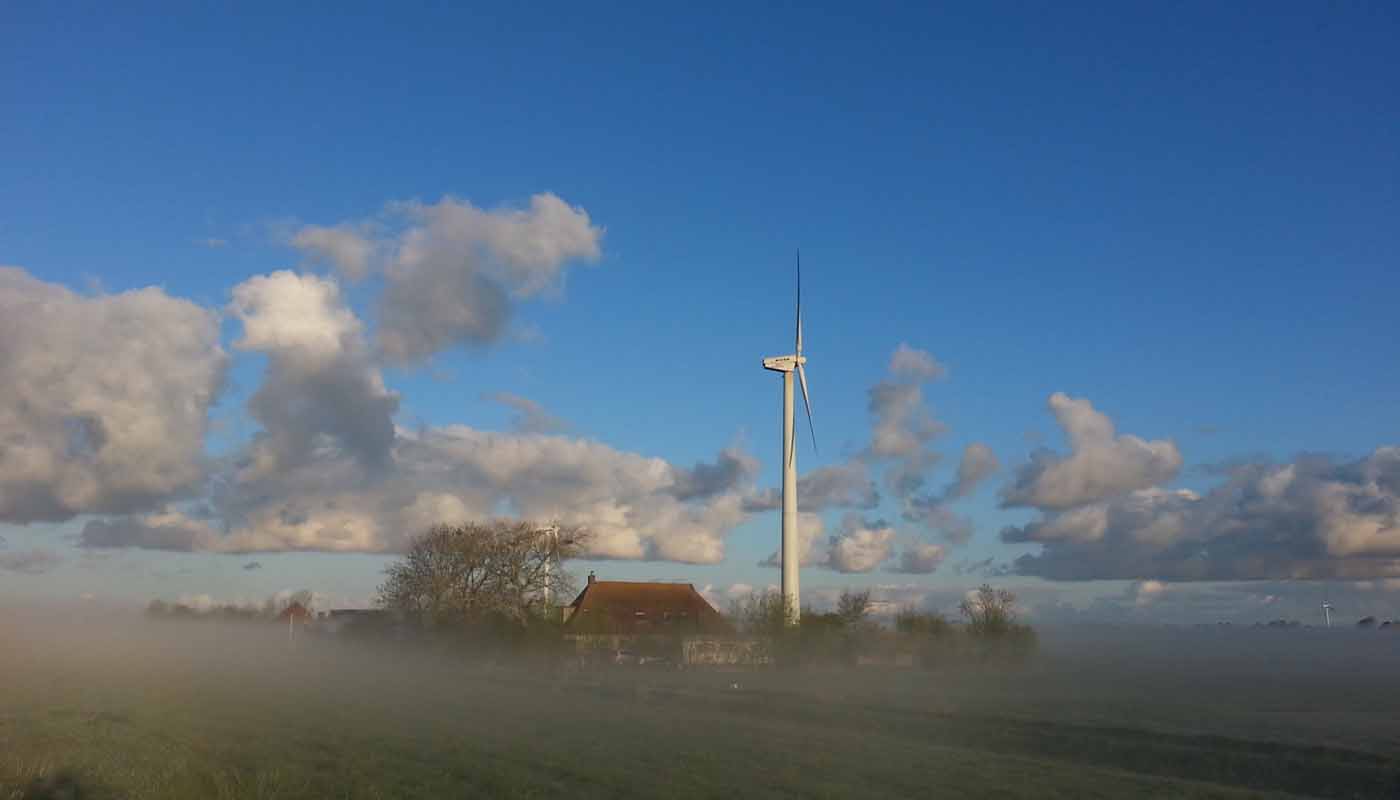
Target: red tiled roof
628, 607
296, 610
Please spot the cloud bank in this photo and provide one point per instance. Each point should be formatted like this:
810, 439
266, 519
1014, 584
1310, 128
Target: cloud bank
1104, 513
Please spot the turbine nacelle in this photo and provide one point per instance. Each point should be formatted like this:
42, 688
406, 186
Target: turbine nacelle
784, 363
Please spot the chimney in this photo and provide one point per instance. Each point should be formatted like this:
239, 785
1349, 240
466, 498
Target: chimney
591, 577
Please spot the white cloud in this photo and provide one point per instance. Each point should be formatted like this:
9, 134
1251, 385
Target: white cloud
1101, 464
915, 364
732, 470
1313, 518
452, 270
843, 485
932, 511
902, 429
862, 546
104, 400
346, 247
301, 316
977, 464
321, 389
530, 246
920, 558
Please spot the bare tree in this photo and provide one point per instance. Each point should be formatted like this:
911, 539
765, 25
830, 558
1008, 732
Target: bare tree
852, 608
763, 613
989, 611
478, 570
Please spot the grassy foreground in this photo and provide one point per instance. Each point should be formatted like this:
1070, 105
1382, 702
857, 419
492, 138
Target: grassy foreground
201, 711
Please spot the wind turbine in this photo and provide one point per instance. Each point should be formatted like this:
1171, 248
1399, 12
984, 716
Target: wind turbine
787, 365
1326, 606
551, 555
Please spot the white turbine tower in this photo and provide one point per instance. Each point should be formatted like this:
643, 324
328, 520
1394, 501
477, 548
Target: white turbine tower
787, 365
1327, 612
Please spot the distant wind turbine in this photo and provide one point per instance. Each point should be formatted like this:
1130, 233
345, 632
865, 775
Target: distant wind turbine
787, 365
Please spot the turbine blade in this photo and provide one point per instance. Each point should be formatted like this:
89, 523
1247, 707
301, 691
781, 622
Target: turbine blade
799, 302
802, 376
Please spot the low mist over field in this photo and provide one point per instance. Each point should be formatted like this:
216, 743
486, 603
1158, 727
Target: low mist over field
128, 707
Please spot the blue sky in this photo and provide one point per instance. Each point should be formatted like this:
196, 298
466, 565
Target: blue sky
1184, 214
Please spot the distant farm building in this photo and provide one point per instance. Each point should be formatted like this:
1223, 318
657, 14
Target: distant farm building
295, 613
628, 608
362, 619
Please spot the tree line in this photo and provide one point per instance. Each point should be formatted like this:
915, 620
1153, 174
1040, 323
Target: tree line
501, 581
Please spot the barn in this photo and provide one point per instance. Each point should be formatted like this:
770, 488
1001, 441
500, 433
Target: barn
634, 608
295, 612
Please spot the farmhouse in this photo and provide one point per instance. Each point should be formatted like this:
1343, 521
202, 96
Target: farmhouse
629, 608
296, 612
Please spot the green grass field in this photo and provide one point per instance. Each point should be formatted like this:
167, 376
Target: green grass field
198, 711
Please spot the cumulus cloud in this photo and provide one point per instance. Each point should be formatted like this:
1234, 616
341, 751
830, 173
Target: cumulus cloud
977, 464
29, 562
1101, 463
1311, 518
104, 400
920, 558
732, 470
530, 416
346, 247
321, 389
844, 485
452, 270
932, 511
915, 364
862, 545
301, 316
903, 428
955, 529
